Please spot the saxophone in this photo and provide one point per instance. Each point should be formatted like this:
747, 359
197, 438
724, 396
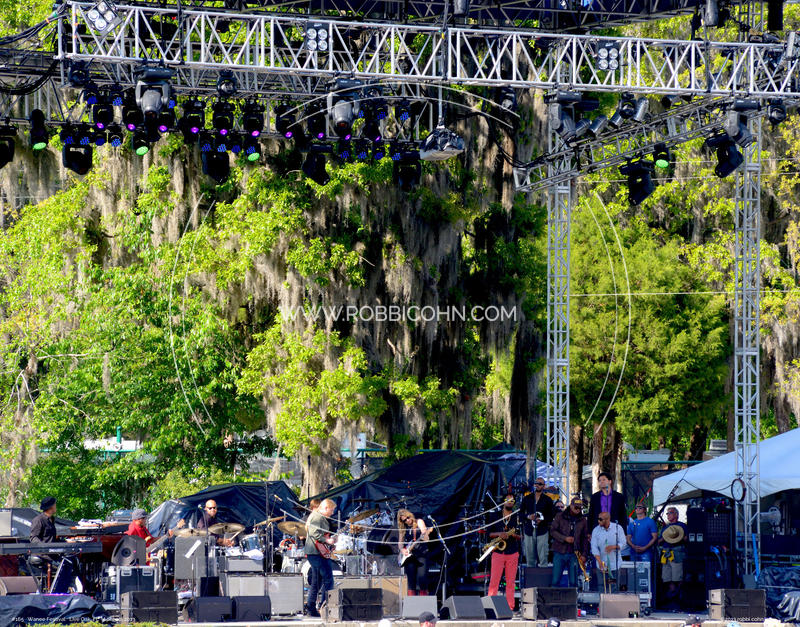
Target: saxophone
498, 544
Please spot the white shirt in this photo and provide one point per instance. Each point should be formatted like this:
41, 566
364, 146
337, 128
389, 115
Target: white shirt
601, 538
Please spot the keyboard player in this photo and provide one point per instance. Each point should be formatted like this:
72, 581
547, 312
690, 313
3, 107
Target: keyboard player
43, 528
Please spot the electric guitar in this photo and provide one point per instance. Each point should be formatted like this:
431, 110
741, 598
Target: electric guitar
402, 559
325, 550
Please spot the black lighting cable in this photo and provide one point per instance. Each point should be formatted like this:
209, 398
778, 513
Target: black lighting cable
31, 87
33, 30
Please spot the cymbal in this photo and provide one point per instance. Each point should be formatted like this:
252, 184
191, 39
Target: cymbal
269, 520
292, 528
188, 533
223, 528
363, 515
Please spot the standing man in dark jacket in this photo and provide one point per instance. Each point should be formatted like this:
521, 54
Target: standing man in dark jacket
537, 513
570, 535
607, 500
43, 528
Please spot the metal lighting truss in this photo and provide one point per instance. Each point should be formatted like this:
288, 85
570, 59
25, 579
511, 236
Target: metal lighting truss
268, 50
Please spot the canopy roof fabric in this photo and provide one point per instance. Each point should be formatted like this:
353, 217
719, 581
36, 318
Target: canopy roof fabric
778, 471
245, 503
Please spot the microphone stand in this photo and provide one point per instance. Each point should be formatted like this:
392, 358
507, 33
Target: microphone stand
208, 549
445, 555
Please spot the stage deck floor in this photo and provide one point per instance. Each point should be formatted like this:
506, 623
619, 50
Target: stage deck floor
655, 620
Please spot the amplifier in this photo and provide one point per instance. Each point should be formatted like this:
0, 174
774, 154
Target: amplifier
240, 564
354, 604
285, 593
135, 578
737, 605
195, 564
394, 591
243, 585
619, 606
149, 607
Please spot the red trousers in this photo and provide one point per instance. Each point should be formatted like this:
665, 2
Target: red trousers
507, 563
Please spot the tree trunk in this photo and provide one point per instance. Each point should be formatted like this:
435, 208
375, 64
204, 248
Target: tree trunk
576, 455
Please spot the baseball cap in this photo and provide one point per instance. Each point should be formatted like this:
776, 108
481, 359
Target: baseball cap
427, 617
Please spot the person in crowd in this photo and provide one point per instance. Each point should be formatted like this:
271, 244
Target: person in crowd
607, 500
537, 511
608, 541
505, 561
642, 535
672, 547
559, 507
319, 544
427, 619
570, 542
43, 527
209, 519
138, 526
413, 543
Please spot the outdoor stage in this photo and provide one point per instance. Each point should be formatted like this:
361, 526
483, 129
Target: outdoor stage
656, 620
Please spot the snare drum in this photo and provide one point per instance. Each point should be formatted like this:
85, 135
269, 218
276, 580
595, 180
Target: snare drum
251, 542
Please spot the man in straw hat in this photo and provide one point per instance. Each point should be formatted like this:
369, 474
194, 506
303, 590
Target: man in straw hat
673, 554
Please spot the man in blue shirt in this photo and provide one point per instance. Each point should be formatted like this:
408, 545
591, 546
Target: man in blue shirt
642, 535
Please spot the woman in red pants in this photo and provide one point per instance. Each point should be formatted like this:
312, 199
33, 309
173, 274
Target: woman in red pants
505, 526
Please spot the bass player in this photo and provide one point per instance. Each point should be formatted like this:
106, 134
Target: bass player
319, 547
413, 542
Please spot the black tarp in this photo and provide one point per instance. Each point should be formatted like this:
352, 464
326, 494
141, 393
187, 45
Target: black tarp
22, 518
244, 503
777, 581
43, 609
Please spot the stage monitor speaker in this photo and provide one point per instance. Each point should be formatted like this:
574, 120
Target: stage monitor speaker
619, 606
208, 610
414, 606
496, 607
149, 607
243, 585
737, 605
18, 585
285, 593
463, 607
251, 608
561, 603
129, 551
535, 577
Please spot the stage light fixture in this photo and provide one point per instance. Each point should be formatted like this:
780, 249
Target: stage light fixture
222, 116
67, 135
83, 135
115, 137
361, 149
7, 145
395, 151
407, 170
402, 111
91, 96
315, 121
227, 86
193, 120
166, 121
252, 149
670, 101
561, 121
132, 117
371, 131
343, 107
736, 128
728, 156
378, 152
153, 91
78, 74
314, 168
285, 120
661, 156
441, 144
139, 143
216, 165
315, 38
100, 138
77, 158
205, 142
114, 96
344, 150
235, 143
103, 113
642, 109
627, 106
507, 98
102, 17
253, 118
607, 56
38, 132
598, 125
776, 112
640, 182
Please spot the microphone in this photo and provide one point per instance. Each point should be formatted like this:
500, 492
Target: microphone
200, 506
433, 520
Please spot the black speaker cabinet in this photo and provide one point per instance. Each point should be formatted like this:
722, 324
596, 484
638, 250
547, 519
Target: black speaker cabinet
737, 605
457, 608
209, 586
535, 577
496, 607
251, 608
208, 610
560, 603
354, 604
147, 606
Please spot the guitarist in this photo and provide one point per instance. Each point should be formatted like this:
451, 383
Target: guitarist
506, 527
319, 545
413, 541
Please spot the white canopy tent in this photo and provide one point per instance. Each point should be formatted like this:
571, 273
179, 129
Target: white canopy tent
779, 470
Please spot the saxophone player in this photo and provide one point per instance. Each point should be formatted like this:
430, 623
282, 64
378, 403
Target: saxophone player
505, 557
